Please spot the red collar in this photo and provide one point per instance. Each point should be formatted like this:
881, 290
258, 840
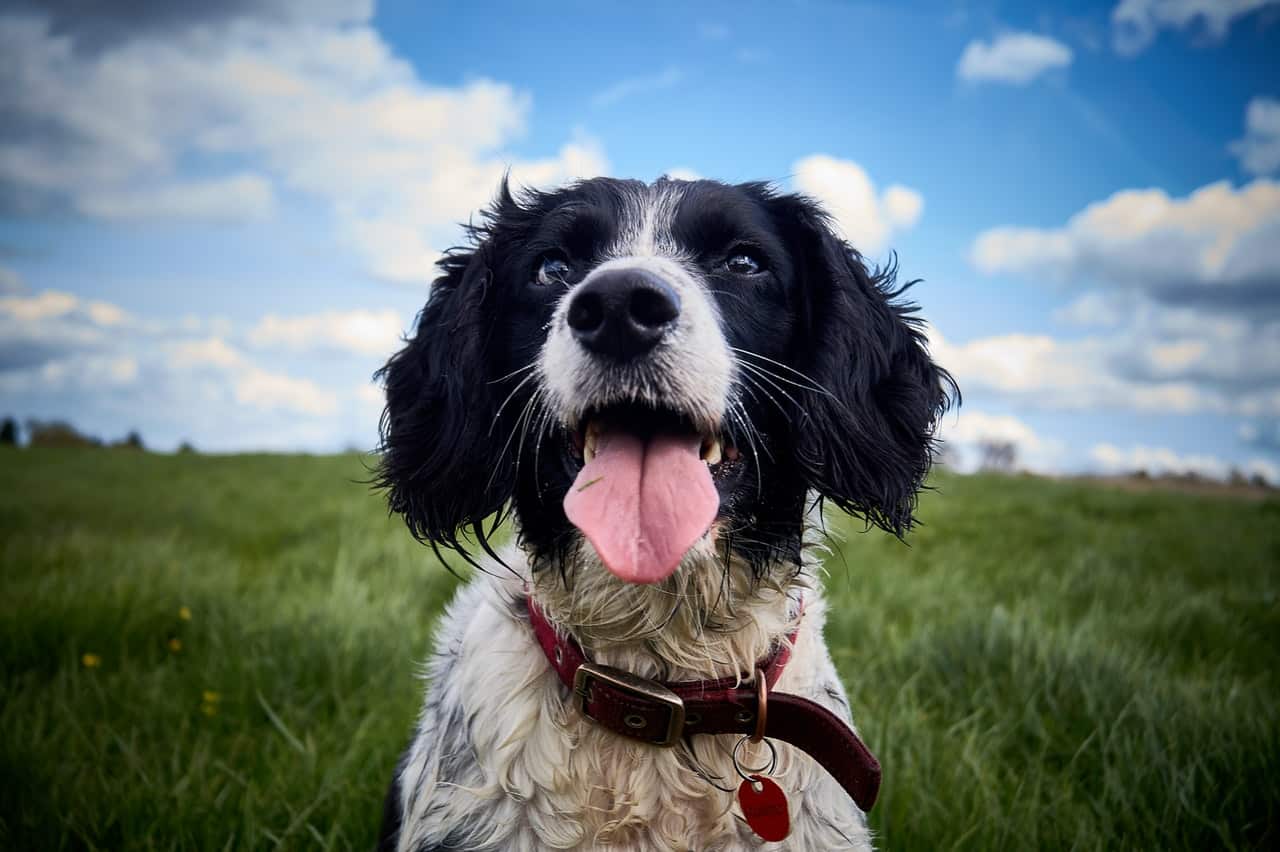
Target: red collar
662, 714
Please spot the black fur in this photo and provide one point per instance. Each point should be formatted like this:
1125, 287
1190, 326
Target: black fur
840, 395
868, 438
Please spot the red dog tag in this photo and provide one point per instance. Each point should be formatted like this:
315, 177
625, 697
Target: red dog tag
765, 810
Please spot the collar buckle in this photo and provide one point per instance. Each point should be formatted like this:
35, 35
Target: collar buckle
635, 687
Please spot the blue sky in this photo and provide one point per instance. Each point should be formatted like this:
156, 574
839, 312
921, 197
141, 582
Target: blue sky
215, 222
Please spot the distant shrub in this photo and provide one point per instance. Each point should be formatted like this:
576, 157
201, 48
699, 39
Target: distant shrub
57, 433
998, 456
132, 441
185, 448
9, 433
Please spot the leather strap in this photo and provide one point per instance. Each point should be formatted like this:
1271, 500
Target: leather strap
645, 710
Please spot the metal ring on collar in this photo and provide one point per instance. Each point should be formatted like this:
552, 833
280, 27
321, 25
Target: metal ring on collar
745, 772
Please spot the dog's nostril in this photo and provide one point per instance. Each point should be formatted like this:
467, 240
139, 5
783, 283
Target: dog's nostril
586, 312
651, 308
622, 314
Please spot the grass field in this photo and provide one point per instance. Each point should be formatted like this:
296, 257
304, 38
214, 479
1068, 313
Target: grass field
219, 652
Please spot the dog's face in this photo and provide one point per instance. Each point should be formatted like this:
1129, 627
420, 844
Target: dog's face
663, 370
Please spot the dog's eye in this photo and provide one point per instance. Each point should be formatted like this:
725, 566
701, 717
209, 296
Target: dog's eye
742, 262
553, 269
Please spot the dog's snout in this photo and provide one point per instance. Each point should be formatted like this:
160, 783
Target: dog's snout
622, 313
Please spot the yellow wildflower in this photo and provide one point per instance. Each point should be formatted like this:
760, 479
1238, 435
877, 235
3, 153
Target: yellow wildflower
184, 613
209, 702
90, 661
175, 645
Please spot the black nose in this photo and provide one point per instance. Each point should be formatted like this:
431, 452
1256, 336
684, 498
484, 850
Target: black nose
623, 313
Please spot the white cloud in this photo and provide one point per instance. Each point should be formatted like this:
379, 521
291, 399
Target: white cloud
1238, 353
1136, 22
106, 314
1259, 150
902, 207
372, 399
1186, 290
1125, 372
1216, 241
1162, 460
207, 352
250, 384
236, 198
967, 431
363, 332
50, 303
270, 391
1091, 309
642, 85
396, 250
371, 394
321, 108
1043, 372
36, 327
108, 371
867, 219
1016, 58
81, 372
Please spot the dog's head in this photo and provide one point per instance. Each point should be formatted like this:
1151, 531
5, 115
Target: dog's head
666, 370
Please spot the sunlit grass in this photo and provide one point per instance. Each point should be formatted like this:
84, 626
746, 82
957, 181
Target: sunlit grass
220, 652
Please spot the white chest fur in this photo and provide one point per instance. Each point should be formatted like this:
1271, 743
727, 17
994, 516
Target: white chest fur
502, 761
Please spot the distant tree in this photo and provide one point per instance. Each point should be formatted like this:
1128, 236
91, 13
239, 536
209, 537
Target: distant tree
133, 441
9, 433
998, 456
57, 433
185, 448
948, 456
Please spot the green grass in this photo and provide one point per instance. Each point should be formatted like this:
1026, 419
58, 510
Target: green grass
1048, 665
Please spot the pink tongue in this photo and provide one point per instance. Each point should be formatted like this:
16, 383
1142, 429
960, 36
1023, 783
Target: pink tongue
643, 504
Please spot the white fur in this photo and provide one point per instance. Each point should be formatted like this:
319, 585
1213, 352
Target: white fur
645, 226
690, 370
526, 771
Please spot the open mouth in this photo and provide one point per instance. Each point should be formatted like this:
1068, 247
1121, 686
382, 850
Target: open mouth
716, 449
646, 492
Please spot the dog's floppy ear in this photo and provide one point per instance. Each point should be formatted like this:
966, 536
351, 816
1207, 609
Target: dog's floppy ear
865, 435
440, 455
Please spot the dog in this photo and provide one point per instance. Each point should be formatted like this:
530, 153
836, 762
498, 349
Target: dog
661, 385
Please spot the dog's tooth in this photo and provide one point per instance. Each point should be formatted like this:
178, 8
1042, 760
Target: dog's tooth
589, 445
711, 452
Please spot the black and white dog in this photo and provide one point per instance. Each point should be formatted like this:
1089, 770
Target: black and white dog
661, 383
